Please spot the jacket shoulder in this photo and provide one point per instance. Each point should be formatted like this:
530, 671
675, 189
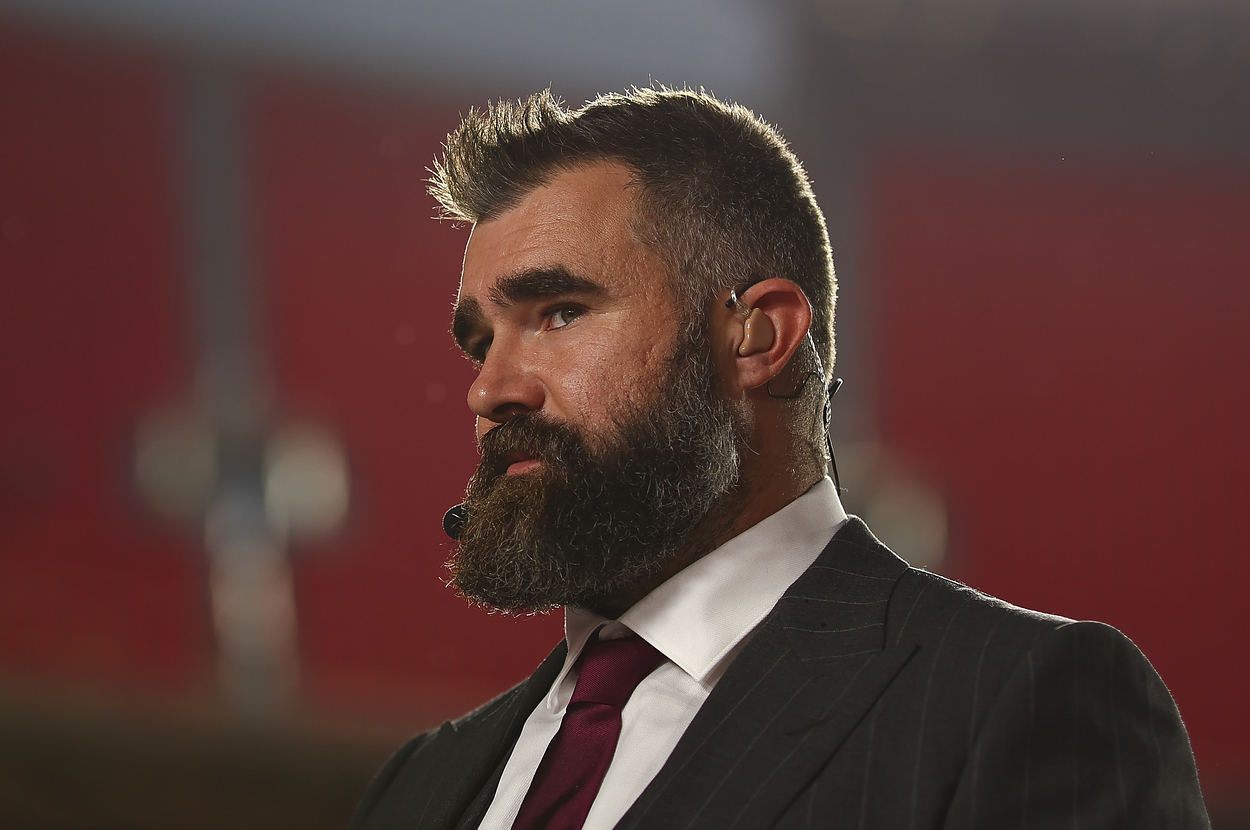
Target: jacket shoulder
925, 606
922, 607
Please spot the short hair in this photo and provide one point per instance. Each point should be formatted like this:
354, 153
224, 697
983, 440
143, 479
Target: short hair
723, 200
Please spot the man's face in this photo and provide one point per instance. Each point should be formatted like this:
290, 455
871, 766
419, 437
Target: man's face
603, 438
565, 312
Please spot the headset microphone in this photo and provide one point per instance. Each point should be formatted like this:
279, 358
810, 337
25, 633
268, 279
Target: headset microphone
454, 519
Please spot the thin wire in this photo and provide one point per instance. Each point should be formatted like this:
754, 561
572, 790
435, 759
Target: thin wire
831, 388
830, 391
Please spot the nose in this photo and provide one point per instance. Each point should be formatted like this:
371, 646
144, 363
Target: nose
505, 387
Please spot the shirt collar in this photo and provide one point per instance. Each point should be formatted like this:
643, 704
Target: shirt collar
702, 613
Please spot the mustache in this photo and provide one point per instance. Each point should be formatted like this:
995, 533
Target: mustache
532, 434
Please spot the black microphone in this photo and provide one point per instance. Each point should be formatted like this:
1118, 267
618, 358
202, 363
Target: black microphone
454, 519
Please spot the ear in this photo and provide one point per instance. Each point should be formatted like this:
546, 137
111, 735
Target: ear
756, 339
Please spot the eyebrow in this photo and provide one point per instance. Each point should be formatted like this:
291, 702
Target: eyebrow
541, 283
530, 284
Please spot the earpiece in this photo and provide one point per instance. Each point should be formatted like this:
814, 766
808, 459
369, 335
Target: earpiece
757, 334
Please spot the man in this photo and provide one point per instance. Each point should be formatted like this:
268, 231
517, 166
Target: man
648, 295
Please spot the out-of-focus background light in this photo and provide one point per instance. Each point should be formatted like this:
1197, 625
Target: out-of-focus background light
231, 416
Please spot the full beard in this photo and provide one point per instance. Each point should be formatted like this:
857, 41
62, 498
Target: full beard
595, 520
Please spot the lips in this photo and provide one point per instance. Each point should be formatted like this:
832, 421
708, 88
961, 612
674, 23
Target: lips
519, 461
527, 443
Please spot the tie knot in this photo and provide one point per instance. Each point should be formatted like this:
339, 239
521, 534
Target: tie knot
609, 670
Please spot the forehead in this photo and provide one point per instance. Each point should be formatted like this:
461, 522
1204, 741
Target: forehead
580, 221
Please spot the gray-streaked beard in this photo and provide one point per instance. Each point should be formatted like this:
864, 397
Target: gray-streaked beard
596, 519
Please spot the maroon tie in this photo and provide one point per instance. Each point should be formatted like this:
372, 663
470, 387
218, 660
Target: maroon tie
573, 767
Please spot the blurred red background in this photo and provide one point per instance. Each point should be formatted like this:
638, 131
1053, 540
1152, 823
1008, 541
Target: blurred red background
1056, 346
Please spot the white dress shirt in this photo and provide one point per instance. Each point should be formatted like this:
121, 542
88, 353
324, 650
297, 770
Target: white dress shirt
699, 620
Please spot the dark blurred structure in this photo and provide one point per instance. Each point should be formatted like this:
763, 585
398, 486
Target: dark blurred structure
231, 419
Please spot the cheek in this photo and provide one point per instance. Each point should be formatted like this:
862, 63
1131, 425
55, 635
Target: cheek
586, 384
613, 363
595, 383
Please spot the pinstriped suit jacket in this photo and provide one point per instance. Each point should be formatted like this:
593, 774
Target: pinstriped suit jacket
873, 696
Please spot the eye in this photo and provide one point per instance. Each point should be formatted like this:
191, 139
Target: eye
564, 315
477, 351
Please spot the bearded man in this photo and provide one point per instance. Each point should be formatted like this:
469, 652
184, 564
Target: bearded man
648, 296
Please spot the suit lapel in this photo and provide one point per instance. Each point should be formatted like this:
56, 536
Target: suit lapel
810, 673
480, 745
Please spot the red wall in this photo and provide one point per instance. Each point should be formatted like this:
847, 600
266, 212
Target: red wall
1065, 350
91, 336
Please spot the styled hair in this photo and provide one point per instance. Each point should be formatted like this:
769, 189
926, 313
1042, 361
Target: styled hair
722, 199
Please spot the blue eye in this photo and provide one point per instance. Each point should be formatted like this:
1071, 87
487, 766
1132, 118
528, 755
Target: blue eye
561, 317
